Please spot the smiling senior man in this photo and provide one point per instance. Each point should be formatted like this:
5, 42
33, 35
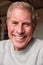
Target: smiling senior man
21, 48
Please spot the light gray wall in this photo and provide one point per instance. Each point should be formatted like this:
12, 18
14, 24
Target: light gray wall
39, 29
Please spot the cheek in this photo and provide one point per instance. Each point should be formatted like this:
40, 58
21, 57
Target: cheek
29, 30
10, 28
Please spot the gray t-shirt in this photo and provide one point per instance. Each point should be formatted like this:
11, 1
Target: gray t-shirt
32, 55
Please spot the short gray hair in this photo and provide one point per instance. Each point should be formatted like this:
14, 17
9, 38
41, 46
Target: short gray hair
22, 5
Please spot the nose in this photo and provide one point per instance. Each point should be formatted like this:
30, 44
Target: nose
20, 29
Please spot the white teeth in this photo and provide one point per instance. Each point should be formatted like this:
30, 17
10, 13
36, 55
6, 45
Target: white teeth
17, 37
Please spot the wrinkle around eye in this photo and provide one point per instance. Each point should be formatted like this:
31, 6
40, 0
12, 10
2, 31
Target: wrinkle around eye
27, 24
14, 22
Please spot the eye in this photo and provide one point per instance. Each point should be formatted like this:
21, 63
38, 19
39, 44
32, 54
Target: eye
14, 22
27, 24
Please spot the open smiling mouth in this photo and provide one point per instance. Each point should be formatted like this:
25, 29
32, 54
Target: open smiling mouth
20, 37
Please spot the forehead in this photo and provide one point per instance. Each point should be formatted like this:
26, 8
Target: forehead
20, 14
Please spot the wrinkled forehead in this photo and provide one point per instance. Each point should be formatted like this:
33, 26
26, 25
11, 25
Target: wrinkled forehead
20, 14
18, 10
23, 9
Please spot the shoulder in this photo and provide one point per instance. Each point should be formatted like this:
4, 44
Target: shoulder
3, 45
38, 42
40, 53
38, 48
4, 42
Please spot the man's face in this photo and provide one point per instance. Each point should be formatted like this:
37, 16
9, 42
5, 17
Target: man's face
19, 28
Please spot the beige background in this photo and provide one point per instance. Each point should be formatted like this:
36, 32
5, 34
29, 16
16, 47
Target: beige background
39, 29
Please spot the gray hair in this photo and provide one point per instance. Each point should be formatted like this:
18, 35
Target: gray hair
22, 5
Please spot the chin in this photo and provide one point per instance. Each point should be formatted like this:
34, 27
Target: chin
19, 45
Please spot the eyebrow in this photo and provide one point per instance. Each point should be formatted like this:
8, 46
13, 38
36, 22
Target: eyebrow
28, 23
25, 22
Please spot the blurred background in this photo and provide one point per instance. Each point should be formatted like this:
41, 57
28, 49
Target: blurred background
38, 5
